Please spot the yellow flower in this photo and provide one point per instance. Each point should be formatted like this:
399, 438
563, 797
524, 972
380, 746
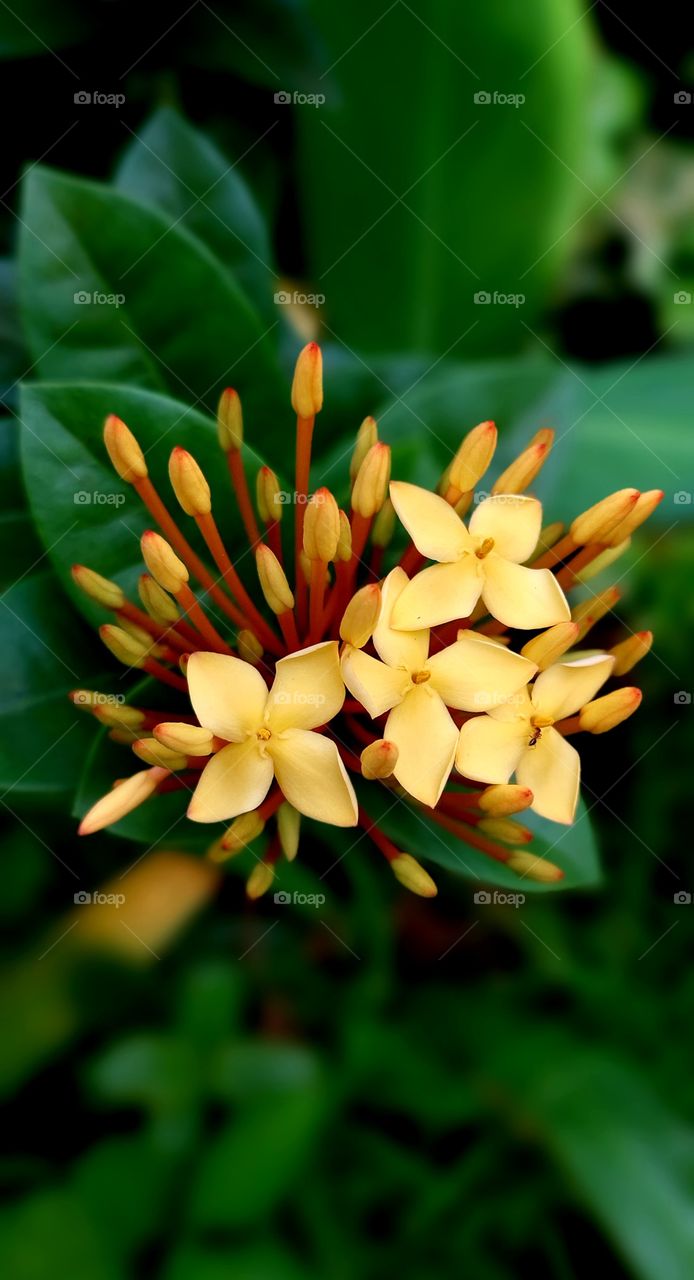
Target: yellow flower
270, 735
471, 674
519, 736
486, 560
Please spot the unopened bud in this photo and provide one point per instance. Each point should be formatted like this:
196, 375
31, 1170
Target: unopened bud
123, 450
102, 590
379, 759
288, 829
143, 637
273, 580
153, 752
307, 387
260, 880
367, 437
242, 832
550, 534
598, 523
162, 562
643, 508
607, 712
524, 468
630, 651
533, 868
267, 491
124, 647
344, 542
590, 611
371, 485
412, 875
361, 615
249, 647
189, 484
187, 739
548, 646
473, 457
504, 798
120, 716
506, 830
124, 797
384, 525
159, 604
229, 420
321, 526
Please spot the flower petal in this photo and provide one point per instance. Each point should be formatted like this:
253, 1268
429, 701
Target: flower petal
235, 781
313, 778
489, 750
512, 520
377, 686
474, 674
228, 695
552, 770
565, 687
426, 738
437, 532
522, 597
308, 689
408, 648
440, 593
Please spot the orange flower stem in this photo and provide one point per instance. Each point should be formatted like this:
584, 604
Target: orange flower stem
159, 632
304, 438
273, 537
381, 841
287, 623
243, 497
491, 628
154, 668
470, 837
251, 618
572, 724
317, 598
350, 706
411, 560
190, 606
561, 549
360, 731
376, 562
361, 527
566, 577
270, 805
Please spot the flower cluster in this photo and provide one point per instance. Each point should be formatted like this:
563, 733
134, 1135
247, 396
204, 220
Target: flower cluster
443, 710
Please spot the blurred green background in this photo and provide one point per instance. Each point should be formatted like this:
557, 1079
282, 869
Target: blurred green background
489, 211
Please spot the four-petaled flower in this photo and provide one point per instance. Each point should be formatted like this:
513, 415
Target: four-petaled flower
472, 674
270, 735
519, 737
485, 560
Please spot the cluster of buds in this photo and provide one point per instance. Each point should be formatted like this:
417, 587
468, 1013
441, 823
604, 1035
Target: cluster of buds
441, 683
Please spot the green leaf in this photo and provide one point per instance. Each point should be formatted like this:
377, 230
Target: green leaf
247, 1262
274, 44
111, 290
122, 1184
179, 170
43, 28
51, 1234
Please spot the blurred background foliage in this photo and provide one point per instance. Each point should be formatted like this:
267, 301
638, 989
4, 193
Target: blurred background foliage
192, 1088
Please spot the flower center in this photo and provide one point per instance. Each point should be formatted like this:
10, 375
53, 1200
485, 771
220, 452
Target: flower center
484, 548
263, 735
420, 677
538, 723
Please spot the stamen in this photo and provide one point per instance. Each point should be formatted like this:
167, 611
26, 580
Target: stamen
420, 677
484, 548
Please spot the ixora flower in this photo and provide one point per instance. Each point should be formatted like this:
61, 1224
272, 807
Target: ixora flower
260, 732
471, 674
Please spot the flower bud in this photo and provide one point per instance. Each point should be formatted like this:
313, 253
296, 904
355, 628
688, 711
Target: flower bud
523, 470
344, 542
260, 880
307, 387
288, 829
473, 457
159, 604
124, 647
267, 496
412, 875
504, 798
599, 522
102, 590
590, 611
530, 867
125, 453
550, 534
384, 525
153, 752
120, 716
607, 712
630, 651
242, 832
367, 437
162, 562
548, 646
273, 580
361, 615
371, 485
189, 484
125, 797
187, 739
229, 420
321, 526
249, 647
379, 759
644, 506
506, 830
